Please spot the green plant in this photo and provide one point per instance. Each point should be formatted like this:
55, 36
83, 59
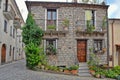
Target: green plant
32, 55
51, 27
74, 67
90, 27
65, 22
110, 74
116, 69
31, 32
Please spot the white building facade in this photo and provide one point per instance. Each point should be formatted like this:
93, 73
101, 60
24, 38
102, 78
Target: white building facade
11, 46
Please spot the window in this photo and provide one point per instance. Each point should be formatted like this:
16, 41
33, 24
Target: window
90, 17
51, 46
6, 5
10, 50
97, 45
13, 33
10, 30
5, 26
51, 18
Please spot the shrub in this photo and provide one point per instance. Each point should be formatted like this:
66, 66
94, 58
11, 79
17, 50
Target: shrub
116, 69
110, 74
31, 32
32, 55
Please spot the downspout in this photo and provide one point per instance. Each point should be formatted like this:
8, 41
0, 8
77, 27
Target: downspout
107, 38
112, 42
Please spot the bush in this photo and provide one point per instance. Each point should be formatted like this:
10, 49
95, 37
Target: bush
32, 55
116, 69
111, 74
31, 32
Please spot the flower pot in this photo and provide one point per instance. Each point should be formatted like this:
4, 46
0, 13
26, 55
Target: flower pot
92, 72
66, 28
74, 72
97, 75
67, 71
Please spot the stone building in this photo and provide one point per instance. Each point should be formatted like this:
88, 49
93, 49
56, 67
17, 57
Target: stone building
114, 42
10, 33
72, 29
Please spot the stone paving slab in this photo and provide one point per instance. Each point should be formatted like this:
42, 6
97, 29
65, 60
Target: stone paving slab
18, 71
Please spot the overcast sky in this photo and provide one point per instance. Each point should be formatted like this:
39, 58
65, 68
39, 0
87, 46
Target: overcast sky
113, 10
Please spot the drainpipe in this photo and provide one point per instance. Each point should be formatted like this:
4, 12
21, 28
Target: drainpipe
107, 39
112, 42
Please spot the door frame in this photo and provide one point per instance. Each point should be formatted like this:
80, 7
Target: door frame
85, 50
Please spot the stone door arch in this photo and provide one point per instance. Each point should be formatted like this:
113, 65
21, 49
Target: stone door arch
3, 53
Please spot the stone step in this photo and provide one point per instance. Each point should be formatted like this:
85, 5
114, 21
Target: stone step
85, 75
80, 71
83, 70
83, 64
85, 67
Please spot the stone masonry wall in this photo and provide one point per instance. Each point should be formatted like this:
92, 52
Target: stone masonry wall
67, 46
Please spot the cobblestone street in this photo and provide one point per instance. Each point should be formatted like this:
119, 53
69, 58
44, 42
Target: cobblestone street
18, 71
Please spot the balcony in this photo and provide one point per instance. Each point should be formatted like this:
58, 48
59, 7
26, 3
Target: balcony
52, 34
100, 29
17, 23
8, 12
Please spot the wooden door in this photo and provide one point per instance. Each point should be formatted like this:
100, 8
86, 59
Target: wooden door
3, 53
81, 50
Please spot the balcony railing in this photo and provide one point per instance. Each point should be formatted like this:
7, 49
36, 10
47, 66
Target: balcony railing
17, 23
8, 12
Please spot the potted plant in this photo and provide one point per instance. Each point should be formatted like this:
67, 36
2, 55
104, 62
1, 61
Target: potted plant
74, 69
97, 75
51, 27
104, 50
65, 24
67, 70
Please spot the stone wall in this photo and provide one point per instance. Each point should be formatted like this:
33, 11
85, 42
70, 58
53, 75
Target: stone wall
67, 46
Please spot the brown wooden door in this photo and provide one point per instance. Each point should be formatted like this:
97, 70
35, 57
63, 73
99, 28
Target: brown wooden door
81, 50
3, 53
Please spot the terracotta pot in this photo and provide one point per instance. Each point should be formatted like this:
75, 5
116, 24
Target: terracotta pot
67, 71
92, 72
74, 72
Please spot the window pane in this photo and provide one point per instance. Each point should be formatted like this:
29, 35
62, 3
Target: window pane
49, 15
54, 15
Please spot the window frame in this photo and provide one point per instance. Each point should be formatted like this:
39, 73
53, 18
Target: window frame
5, 26
93, 17
52, 42
98, 45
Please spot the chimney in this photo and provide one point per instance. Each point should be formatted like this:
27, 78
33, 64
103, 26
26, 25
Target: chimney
75, 1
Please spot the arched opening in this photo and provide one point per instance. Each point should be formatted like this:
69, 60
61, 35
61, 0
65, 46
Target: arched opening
3, 53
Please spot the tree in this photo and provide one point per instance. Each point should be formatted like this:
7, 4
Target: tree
31, 32
32, 37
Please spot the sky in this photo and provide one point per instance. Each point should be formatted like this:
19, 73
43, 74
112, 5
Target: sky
113, 10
